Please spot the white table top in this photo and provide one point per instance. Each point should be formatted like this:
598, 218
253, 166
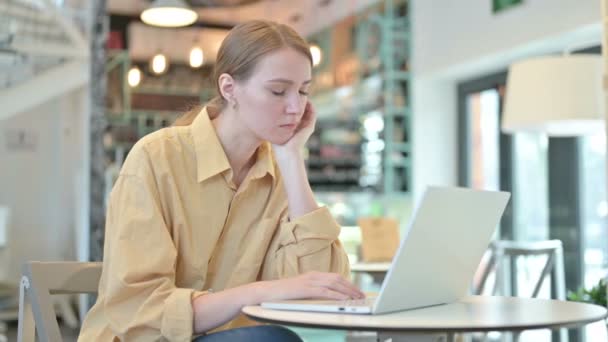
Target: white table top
474, 313
370, 267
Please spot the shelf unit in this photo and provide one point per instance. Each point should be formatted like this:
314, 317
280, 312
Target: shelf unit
135, 112
375, 106
393, 24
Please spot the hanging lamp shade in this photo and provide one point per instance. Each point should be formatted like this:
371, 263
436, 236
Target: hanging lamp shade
169, 13
557, 95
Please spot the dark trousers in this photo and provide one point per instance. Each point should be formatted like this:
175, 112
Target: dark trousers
262, 333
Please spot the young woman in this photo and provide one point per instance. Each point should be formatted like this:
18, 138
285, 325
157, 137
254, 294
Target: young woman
216, 212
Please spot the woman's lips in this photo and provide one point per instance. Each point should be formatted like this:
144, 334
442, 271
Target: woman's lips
289, 126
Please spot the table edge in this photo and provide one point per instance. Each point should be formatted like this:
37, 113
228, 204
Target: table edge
556, 325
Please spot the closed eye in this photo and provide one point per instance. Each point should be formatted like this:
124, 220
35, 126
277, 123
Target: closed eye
281, 93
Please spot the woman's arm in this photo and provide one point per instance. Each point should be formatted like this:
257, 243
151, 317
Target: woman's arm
299, 194
307, 238
214, 309
291, 163
138, 298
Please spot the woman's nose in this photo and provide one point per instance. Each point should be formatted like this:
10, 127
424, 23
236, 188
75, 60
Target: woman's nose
294, 105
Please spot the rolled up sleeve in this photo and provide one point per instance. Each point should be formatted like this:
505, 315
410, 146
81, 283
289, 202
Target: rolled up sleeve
178, 315
307, 243
141, 301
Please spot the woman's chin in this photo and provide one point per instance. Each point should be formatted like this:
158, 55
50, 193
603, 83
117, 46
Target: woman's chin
279, 140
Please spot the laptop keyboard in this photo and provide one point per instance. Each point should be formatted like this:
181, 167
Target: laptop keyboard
358, 302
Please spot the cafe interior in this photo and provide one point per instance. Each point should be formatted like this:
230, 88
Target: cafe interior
497, 95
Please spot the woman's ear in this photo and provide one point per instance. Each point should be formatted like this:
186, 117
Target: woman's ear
226, 86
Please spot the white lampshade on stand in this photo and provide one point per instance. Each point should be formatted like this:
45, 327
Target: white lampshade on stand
558, 96
169, 13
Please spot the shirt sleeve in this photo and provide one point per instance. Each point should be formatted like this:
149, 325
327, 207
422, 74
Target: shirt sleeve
307, 243
140, 300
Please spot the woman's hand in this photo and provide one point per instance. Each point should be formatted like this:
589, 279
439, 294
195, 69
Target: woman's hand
305, 129
318, 285
214, 309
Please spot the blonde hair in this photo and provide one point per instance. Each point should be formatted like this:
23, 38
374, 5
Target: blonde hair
240, 52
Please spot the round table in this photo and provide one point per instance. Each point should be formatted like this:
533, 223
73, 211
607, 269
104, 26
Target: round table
473, 313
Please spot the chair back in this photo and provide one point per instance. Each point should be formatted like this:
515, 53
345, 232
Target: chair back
40, 280
502, 258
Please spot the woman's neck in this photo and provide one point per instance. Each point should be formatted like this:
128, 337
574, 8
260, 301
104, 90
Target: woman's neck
238, 142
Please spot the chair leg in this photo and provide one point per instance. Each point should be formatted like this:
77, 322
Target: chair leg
3, 331
560, 278
26, 329
67, 311
560, 286
516, 336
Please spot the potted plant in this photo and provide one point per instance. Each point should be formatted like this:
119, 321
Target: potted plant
595, 295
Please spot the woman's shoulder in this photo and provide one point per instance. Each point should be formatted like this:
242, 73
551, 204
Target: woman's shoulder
166, 138
157, 146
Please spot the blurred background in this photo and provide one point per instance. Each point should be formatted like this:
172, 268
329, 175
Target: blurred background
408, 94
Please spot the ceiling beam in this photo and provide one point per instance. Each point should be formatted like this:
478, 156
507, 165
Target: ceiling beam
45, 86
122, 20
49, 49
68, 26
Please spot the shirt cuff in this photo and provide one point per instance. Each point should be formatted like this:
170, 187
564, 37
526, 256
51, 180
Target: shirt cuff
317, 225
178, 316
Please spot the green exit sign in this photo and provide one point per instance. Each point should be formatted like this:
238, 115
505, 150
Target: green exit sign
501, 5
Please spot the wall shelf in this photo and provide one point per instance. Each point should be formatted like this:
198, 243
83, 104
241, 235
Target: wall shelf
376, 105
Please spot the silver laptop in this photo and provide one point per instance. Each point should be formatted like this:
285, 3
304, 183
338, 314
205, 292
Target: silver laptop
447, 237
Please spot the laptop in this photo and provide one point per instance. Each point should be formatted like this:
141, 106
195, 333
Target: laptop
437, 258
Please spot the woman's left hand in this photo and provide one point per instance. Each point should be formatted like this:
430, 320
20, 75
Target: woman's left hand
305, 129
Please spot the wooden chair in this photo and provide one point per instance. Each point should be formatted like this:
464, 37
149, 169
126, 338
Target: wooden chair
40, 280
502, 262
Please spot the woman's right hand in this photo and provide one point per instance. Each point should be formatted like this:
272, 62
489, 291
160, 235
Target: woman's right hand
214, 309
317, 285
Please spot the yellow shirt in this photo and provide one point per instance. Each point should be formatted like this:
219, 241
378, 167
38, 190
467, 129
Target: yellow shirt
177, 226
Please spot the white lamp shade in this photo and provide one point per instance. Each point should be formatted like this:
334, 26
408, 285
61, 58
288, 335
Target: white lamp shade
169, 13
558, 96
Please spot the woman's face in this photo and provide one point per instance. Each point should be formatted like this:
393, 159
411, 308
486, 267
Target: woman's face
271, 102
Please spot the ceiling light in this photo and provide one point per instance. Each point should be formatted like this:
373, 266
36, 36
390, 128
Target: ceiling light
159, 63
169, 13
315, 51
196, 57
134, 77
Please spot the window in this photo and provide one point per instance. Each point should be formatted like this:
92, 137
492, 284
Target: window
594, 208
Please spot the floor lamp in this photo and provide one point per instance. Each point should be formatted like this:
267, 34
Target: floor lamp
559, 96
556, 95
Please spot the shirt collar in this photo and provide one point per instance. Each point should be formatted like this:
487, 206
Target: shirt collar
264, 162
211, 159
